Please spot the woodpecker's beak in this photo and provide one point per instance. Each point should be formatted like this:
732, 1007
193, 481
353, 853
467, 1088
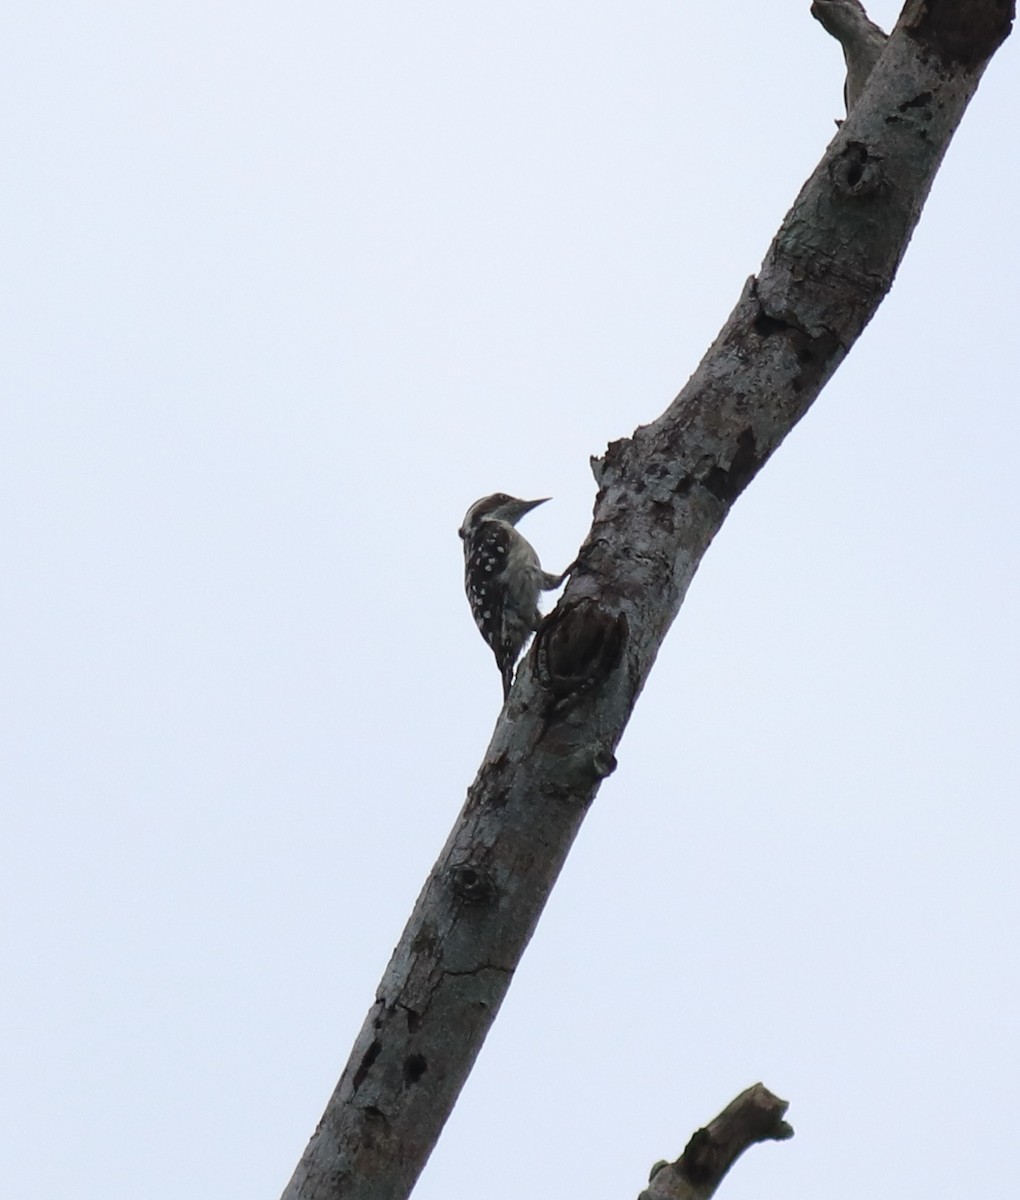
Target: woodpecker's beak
525, 506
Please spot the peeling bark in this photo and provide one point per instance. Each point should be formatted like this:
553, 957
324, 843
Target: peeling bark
663, 495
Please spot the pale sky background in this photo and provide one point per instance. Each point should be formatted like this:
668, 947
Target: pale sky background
286, 287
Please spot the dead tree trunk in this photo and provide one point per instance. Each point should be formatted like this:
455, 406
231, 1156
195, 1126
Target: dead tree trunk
663, 494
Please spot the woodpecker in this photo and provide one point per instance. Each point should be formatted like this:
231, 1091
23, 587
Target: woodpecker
503, 577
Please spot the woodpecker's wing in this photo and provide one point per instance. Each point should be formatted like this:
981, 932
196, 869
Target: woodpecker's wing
486, 561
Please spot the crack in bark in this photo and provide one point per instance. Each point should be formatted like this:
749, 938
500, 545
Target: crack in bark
473, 972
371, 1054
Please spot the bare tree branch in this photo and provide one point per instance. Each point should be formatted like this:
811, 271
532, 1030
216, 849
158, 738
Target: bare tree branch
754, 1116
861, 39
663, 495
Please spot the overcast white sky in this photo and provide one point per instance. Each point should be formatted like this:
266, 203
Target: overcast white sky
286, 287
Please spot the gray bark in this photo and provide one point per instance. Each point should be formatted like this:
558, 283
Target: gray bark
663, 494
754, 1116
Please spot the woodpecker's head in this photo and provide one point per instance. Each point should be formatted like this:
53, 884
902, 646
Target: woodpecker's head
497, 507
